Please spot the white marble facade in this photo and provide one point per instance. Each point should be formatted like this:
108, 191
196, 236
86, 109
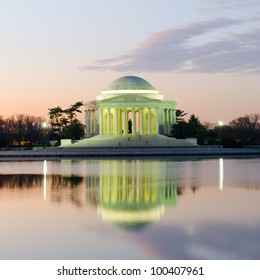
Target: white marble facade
129, 105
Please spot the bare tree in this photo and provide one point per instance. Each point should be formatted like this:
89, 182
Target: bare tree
34, 131
2, 135
246, 129
23, 128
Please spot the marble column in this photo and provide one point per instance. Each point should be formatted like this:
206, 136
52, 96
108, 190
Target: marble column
86, 122
149, 120
125, 121
100, 110
91, 121
174, 116
116, 124
134, 121
141, 120
157, 121
108, 121
169, 121
165, 121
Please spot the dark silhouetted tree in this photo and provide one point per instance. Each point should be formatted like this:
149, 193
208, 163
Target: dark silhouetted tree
191, 129
196, 128
22, 128
64, 122
180, 115
2, 131
246, 129
74, 131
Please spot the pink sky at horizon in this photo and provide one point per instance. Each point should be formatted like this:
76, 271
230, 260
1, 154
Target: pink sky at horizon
192, 94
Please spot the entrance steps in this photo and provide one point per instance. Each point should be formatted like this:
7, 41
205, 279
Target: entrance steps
130, 141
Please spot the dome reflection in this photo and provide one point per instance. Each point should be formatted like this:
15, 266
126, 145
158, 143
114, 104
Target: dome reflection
133, 193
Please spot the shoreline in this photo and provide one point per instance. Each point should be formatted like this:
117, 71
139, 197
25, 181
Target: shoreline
112, 152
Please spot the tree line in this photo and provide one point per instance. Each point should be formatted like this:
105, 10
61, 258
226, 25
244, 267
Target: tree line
28, 130
21, 129
241, 131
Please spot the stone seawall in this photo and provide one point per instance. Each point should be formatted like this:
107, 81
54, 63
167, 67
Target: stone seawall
59, 153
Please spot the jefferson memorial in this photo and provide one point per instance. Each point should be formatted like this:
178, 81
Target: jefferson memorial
129, 112
129, 105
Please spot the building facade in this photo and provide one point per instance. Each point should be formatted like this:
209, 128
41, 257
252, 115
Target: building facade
129, 105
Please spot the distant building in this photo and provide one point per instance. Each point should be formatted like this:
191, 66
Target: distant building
129, 105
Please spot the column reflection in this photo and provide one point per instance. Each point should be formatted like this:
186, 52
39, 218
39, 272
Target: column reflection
134, 193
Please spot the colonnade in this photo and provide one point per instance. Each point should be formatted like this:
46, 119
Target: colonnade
135, 120
129, 120
125, 183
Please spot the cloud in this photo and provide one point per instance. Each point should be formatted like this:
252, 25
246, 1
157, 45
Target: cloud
188, 49
235, 3
208, 240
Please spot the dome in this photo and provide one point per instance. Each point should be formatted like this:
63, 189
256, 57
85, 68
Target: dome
129, 83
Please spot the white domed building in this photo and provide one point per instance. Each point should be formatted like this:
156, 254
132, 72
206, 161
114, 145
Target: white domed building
129, 112
129, 106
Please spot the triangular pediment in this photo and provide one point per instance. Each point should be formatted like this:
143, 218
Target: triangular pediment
129, 98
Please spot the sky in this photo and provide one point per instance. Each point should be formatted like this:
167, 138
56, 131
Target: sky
204, 54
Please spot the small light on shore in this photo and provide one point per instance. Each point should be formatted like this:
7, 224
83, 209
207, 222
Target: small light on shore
44, 125
220, 123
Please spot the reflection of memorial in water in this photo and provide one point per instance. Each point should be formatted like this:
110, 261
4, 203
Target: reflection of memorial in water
132, 193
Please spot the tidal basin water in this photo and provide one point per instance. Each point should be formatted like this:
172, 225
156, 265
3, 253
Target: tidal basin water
130, 209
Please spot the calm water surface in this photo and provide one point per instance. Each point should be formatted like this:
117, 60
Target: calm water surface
130, 209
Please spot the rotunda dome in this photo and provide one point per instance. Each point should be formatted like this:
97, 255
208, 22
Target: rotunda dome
129, 83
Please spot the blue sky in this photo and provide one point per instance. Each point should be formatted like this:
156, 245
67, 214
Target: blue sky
205, 54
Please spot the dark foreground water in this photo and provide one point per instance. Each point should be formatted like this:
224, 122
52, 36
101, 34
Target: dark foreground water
130, 209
